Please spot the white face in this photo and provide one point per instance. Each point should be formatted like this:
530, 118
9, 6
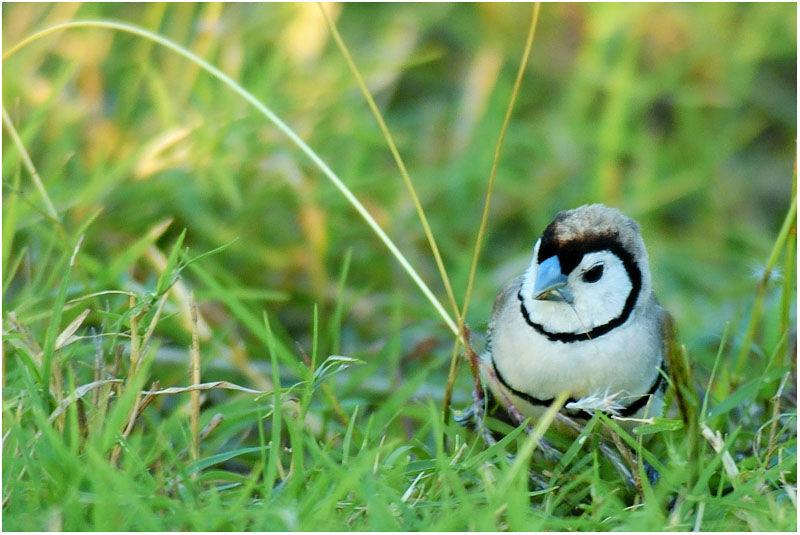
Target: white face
599, 286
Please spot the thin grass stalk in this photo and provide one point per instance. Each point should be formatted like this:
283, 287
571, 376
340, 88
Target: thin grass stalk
135, 355
712, 376
397, 158
51, 335
787, 292
788, 223
26, 160
98, 364
773, 428
282, 126
132, 371
533, 440
451, 377
11, 214
274, 468
156, 316
348, 436
209, 428
194, 395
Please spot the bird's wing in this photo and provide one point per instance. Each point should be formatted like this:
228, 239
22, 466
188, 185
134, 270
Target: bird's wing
509, 291
677, 366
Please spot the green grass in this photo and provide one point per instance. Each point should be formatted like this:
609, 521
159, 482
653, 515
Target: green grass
158, 182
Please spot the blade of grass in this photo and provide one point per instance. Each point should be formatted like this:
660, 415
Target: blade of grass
717, 359
72, 417
524, 454
633, 443
348, 436
10, 270
275, 441
52, 329
194, 395
10, 219
336, 318
204, 463
78, 393
755, 313
133, 374
26, 159
65, 337
788, 282
168, 273
112, 427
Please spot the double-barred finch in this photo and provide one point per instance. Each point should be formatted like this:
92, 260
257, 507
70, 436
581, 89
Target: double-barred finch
583, 318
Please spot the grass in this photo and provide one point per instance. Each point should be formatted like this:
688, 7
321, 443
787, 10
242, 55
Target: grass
135, 185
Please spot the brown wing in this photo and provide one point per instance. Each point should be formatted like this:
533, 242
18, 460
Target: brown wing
679, 371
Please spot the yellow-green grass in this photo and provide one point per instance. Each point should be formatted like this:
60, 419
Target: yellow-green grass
134, 179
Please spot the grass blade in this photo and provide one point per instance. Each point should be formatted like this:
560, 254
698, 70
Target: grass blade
26, 159
789, 222
273, 468
53, 328
165, 279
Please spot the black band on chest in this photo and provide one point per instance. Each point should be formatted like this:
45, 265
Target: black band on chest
634, 407
630, 410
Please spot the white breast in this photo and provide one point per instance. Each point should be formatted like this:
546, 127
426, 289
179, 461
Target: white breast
624, 360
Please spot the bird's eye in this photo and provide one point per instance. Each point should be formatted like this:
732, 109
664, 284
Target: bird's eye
593, 274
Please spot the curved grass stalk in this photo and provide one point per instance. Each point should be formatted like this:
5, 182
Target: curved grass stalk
789, 222
396, 154
451, 378
26, 159
264, 110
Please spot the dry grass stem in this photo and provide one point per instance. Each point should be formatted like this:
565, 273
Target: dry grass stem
397, 158
194, 368
776, 407
202, 386
716, 441
135, 355
65, 337
78, 394
451, 377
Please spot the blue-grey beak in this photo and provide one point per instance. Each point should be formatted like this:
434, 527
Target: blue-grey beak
550, 284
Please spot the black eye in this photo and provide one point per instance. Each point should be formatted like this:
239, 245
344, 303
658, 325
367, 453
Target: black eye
594, 274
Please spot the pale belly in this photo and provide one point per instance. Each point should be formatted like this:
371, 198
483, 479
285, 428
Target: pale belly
622, 362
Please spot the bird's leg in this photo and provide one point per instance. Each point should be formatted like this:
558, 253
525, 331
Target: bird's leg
477, 411
516, 417
475, 414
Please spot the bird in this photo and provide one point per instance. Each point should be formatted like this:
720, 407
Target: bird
583, 318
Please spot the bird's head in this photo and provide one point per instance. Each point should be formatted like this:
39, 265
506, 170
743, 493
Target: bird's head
589, 269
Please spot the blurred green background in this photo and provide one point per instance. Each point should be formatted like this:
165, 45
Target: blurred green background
682, 115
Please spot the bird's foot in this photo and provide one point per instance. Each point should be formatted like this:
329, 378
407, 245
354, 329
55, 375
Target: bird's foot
474, 417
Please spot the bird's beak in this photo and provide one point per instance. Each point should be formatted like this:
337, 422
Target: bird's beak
550, 284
